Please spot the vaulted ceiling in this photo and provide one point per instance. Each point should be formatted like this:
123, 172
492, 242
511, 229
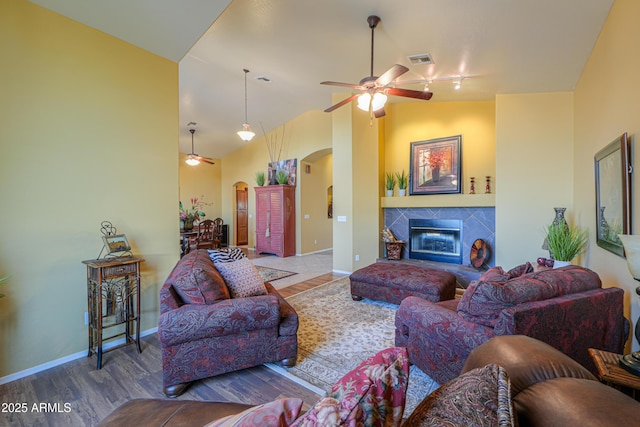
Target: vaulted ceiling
497, 46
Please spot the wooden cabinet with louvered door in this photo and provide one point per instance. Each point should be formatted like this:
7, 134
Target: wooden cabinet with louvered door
276, 220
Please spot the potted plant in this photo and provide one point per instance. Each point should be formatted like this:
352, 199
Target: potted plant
566, 242
403, 180
390, 183
260, 178
282, 177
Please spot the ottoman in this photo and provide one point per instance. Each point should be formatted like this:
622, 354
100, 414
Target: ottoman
393, 282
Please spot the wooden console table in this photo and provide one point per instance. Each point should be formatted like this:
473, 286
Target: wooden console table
610, 372
113, 298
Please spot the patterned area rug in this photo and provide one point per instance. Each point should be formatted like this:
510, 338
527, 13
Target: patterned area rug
337, 333
270, 274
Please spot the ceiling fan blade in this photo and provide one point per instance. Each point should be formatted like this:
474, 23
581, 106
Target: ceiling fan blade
391, 74
341, 103
379, 113
409, 93
351, 85
205, 160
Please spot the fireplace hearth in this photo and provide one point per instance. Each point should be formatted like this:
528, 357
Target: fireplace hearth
436, 240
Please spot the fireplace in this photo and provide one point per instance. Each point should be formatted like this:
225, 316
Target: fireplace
436, 240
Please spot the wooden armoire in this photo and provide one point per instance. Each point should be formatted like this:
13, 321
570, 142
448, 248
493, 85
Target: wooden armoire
276, 220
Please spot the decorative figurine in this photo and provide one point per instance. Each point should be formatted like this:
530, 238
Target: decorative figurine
487, 188
472, 189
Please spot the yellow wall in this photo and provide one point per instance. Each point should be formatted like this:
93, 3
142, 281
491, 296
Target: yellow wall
89, 133
201, 180
418, 121
316, 227
606, 105
303, 136
534, 139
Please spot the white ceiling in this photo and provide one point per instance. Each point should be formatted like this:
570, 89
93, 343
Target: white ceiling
499, 46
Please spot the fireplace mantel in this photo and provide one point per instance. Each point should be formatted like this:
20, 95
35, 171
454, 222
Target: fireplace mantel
441, 201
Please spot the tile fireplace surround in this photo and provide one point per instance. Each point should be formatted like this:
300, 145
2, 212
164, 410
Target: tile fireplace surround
477, 223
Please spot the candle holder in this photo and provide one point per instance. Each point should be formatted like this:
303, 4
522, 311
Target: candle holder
472, 188
487, 188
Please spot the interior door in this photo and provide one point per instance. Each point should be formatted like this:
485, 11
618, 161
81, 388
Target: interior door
242, 217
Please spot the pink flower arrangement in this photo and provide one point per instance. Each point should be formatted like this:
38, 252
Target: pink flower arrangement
195, 212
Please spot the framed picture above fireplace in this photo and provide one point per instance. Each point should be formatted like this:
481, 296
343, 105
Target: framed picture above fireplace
436, 166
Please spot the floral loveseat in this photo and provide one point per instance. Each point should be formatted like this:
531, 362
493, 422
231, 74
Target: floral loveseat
210, 324
566, 308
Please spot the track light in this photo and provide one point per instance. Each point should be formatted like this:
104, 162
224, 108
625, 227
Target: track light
246, 133
457, 83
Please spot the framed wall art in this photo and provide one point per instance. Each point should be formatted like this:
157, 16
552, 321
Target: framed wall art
613, 194
436, 166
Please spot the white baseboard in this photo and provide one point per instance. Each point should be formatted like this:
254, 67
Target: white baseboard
342, 271
69, 358
315, 252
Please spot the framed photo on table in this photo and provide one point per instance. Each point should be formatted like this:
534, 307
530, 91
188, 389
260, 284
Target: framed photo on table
116, 243
436, 166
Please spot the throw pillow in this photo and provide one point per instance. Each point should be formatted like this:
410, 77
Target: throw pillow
480, 397
242, 278
281, 412
325, 413
196, 281
372, 394
226, 254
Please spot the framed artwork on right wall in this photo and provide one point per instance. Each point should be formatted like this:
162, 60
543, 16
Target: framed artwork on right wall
613, 194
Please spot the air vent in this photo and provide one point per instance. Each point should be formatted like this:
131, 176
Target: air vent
422, 59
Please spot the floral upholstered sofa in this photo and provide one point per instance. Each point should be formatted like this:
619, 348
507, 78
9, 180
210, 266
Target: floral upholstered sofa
566, 308
218, 318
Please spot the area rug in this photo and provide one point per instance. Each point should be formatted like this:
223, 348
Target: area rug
336, 334
270, 274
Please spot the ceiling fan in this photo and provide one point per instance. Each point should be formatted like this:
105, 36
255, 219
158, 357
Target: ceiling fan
375, 89
193, 159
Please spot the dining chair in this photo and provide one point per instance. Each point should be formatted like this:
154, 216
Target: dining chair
205, 237
217, 232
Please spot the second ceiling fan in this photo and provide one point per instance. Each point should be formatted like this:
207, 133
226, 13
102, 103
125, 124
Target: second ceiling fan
374, 90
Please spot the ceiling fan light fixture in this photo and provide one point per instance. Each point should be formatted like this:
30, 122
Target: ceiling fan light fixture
246, 134
364, 101
192, 161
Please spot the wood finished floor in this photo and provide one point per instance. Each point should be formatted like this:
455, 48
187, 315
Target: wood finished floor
77, 394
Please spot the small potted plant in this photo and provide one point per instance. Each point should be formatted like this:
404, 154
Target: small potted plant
260, 178
282, 177
566, 242
390, 183
403, 179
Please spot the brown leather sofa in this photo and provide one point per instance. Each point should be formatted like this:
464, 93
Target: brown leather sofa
547, 387
550, 389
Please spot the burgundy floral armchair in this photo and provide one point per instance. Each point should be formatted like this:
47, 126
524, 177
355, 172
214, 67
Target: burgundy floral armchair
204, 332
566, 308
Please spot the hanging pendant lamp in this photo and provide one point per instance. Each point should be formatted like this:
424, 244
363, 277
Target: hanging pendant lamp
246, 133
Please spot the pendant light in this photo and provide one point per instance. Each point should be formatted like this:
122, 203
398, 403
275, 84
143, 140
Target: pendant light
246, 133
